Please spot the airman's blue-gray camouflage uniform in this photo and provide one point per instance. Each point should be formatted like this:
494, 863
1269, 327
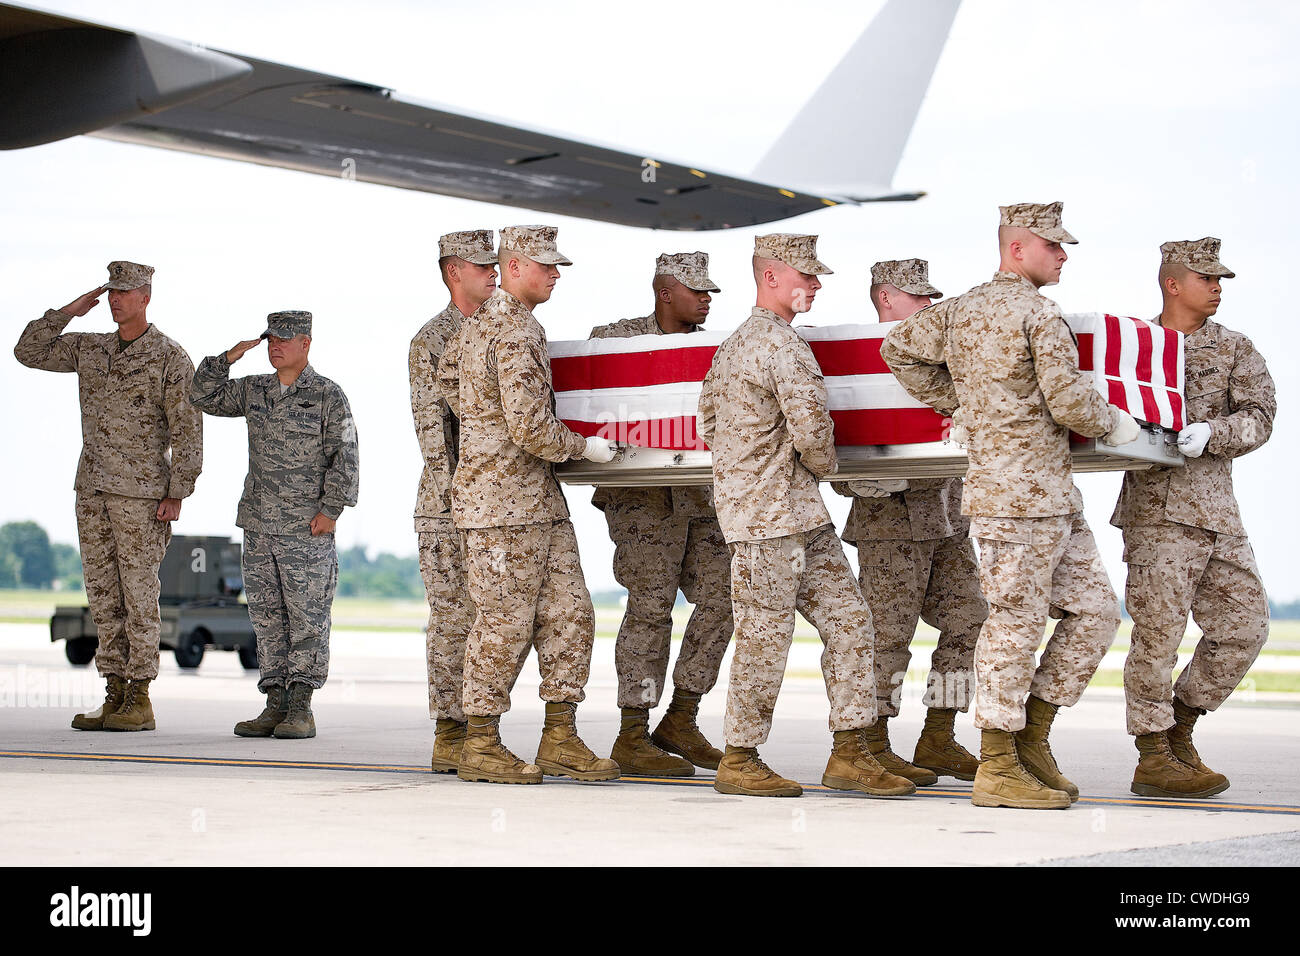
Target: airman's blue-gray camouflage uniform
302, 459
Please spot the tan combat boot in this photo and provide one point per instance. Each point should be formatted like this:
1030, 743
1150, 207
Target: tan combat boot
876, 738
136, 713
448, 741
937, 748
561, 751
678, 732
483, 758
1160, 773
742, 771
1180, 738
852, 766
94, 720
637, 756
264, 723
1002, 782
299, 723
1035, 752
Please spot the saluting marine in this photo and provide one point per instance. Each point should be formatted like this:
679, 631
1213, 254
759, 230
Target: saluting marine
303, 470
1001, 359
1185, 545
763, 413
525, 578
467, 262
142, 451
916, 562
667, 539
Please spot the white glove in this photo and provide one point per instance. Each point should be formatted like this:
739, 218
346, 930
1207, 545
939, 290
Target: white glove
1125, 430
882, 488
600, 450
1192, 439
959, 434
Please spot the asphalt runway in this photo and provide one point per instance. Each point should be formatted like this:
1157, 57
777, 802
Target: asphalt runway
360, 792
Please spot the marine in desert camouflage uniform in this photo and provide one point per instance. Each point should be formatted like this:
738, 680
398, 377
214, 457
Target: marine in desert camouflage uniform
303, 470
142, 451
763, 414
1184, 541
667, 539
1003, 360
915, 562
522, 556
467, 262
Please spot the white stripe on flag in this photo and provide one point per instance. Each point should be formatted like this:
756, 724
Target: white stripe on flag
868, 391
635, 343
837, 333
628, 404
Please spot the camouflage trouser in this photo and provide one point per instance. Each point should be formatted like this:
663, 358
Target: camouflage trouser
442, 565
770, 580
527, 587
657, 552
122, 545
1173, 570
1030, 569
935, 581
289, 580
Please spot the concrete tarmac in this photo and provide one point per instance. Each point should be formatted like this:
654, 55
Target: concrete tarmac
360, 792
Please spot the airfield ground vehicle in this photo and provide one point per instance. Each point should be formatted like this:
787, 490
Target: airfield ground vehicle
201, 583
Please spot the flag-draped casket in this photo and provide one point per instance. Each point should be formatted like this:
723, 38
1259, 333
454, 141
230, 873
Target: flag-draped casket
643, 391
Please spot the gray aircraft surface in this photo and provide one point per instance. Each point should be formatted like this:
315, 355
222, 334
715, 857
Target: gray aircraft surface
842, 147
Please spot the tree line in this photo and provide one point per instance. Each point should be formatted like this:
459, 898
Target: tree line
28, 559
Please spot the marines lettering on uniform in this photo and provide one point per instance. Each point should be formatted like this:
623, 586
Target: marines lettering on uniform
466, 260
525, 578
1184, 542
764, 415
916, 562
303, 470
142, 451
1003, 354
666, 539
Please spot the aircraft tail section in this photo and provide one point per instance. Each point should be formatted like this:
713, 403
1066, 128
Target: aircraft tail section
848, 138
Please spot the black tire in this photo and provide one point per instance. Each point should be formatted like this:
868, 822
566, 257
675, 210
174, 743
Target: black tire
248, 657
80, 650
189, 650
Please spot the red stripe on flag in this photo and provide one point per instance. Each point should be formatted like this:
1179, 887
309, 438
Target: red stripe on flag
1085, 351
1150, 410
1171, 358
1117, 394
888, 426
858, 426
1114, 343
631, 369
677, 433
1144, 352
849, 357
1176, 404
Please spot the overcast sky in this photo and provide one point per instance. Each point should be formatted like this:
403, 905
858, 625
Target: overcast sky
1151, 120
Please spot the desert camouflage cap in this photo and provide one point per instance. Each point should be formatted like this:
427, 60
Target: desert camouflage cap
796, 251
1199, 255
1042, 219
691, 269
472, 245
285, 325
910, 275
128, 275
533, 242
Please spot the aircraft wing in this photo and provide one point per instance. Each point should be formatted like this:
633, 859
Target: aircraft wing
63, 77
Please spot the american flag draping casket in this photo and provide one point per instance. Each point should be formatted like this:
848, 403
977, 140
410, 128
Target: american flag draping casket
643, 391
